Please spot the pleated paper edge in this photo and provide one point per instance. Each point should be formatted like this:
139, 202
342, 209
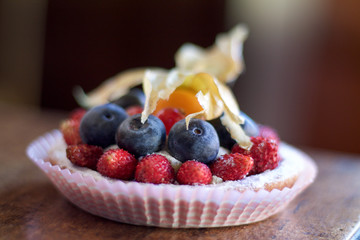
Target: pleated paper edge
178, 207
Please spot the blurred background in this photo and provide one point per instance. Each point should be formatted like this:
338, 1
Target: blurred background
302, 56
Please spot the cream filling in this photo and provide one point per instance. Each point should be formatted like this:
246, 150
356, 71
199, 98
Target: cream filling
290, 165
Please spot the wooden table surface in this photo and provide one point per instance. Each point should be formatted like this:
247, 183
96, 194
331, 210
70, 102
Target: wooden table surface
31, 208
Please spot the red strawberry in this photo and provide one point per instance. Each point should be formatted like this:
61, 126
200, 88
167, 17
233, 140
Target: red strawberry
194, 173
84, 155
70, 131
268, 132
264, 152
117, 163
132, 110
232, 167
169, 116
77, 114
155, 169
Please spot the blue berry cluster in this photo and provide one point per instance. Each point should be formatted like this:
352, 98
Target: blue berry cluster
109, 124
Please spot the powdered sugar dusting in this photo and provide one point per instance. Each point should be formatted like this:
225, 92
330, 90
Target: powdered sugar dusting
166, 205
173, 161
216, 180
289, 165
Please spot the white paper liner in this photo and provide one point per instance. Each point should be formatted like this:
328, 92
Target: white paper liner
166, 205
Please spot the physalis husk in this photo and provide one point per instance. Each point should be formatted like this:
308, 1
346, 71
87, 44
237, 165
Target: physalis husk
223, 60
214, 97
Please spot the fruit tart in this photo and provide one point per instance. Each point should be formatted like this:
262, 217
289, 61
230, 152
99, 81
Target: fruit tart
171, 148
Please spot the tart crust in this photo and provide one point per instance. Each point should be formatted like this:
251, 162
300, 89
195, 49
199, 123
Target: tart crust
229, 203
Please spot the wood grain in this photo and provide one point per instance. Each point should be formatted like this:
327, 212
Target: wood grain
31, 208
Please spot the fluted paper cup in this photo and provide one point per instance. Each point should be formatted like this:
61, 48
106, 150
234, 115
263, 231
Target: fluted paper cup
165, 205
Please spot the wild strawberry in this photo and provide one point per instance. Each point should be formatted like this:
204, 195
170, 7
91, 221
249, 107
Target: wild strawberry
77, 114
84, 155
233, 166
70, 131
170, 116
117, 163
155, 169
268, 132
132, 110
264, 152
194, 173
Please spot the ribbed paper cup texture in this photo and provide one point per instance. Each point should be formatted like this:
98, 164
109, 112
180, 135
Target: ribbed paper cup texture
165, 205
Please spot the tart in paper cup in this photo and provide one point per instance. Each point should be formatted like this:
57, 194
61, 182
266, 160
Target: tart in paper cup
168, 205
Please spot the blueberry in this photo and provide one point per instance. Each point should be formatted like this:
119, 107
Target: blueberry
199, 142
99, 124
135, 97
249, 126
224, 136
141, 139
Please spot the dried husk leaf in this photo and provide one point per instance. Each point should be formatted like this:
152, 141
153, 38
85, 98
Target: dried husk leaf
223, 60
204, 71
111, 89
214, 97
